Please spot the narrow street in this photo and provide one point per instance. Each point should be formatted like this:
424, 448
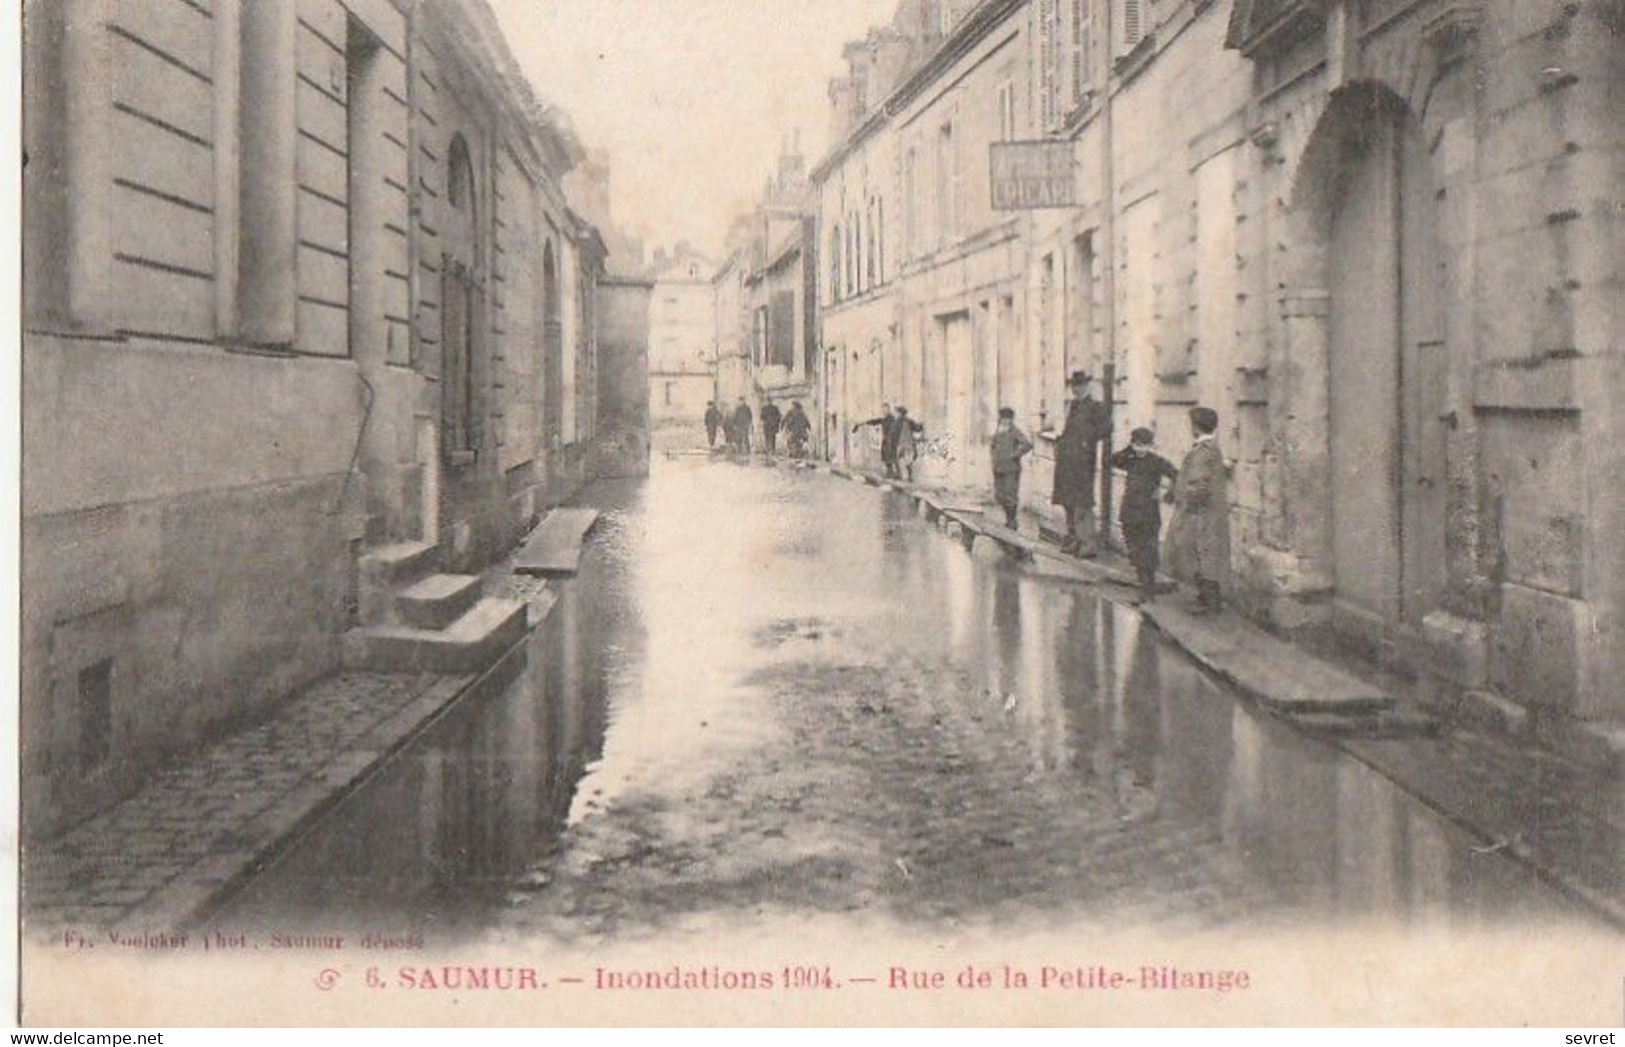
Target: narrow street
774, 693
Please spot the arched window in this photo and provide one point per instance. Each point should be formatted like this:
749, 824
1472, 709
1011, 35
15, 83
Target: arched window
463, 364
459, 175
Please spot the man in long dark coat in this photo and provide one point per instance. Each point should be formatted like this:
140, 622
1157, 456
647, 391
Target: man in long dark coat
713, 422
771, 420
742, 420
888, 439
1076, 455
797, 427
1199, 537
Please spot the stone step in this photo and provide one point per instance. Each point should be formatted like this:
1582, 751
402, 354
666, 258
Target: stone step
437, 601
471, 643
399, 563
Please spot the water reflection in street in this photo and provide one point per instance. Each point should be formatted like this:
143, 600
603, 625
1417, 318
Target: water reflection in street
770, 690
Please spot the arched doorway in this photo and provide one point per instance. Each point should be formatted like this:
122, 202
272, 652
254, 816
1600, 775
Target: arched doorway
1369, 193
459, 301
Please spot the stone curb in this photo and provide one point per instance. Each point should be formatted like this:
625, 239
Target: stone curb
198, 891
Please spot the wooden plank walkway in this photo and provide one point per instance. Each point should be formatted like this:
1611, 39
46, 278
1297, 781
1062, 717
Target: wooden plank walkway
554, 548
1272, 670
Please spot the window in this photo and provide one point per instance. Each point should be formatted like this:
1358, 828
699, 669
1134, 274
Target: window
460, 175
911, 202
869, 256
1049, 62
880, 238
1006, 101
1083, 47
855, 227
759, 349
669, 387
835, 263
781, 345
852, 257
1131, 25
862, 279
947, 182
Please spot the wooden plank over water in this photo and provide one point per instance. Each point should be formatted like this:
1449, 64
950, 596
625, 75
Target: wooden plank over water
554, 548
1273, 671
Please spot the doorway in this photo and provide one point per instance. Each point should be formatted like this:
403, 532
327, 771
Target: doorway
1387, 367
961, 427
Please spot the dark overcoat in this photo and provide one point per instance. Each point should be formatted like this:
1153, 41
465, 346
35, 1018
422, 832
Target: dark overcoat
1087, 423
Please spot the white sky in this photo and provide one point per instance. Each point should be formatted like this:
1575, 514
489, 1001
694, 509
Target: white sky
690, 98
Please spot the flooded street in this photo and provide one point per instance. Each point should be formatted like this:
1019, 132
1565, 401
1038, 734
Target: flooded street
775, 693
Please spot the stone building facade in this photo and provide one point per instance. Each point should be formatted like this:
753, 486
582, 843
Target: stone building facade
1381, 237
682, 340
299, 282
765, 300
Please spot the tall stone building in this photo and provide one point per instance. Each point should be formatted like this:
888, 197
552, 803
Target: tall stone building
302, 288
682, 339
765, 301
1381, 237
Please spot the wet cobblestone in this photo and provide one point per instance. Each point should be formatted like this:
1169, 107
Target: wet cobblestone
894, 788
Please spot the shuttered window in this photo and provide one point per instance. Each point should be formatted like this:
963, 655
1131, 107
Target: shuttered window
1049, 63
781, 338
873, 276
835, 263
1133, 25
1007, 111
1083, 48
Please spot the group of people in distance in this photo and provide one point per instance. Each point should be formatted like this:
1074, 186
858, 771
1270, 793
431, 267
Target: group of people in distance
1199, 537
736, 427
1198, 543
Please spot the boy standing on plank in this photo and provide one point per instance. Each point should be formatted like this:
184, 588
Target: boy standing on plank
1008, 446
1141, 514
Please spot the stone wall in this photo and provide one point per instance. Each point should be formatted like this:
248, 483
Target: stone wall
233, 350
622, 445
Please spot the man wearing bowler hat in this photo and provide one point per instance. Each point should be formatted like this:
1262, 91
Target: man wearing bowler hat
1076, 454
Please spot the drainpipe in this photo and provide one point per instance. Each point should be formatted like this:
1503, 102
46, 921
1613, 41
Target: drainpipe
1108, 256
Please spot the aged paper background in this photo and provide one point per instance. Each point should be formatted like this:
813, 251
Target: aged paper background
1299, 974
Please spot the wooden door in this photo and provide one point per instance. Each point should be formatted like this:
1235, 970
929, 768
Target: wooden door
1364, 380
1423, 377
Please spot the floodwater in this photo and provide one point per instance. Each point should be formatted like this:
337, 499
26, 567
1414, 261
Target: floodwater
771, 690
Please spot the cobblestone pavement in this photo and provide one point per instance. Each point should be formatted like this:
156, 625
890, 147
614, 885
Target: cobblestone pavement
158, 858
897, 789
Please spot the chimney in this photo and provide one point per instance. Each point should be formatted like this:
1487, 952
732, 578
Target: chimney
843, 98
